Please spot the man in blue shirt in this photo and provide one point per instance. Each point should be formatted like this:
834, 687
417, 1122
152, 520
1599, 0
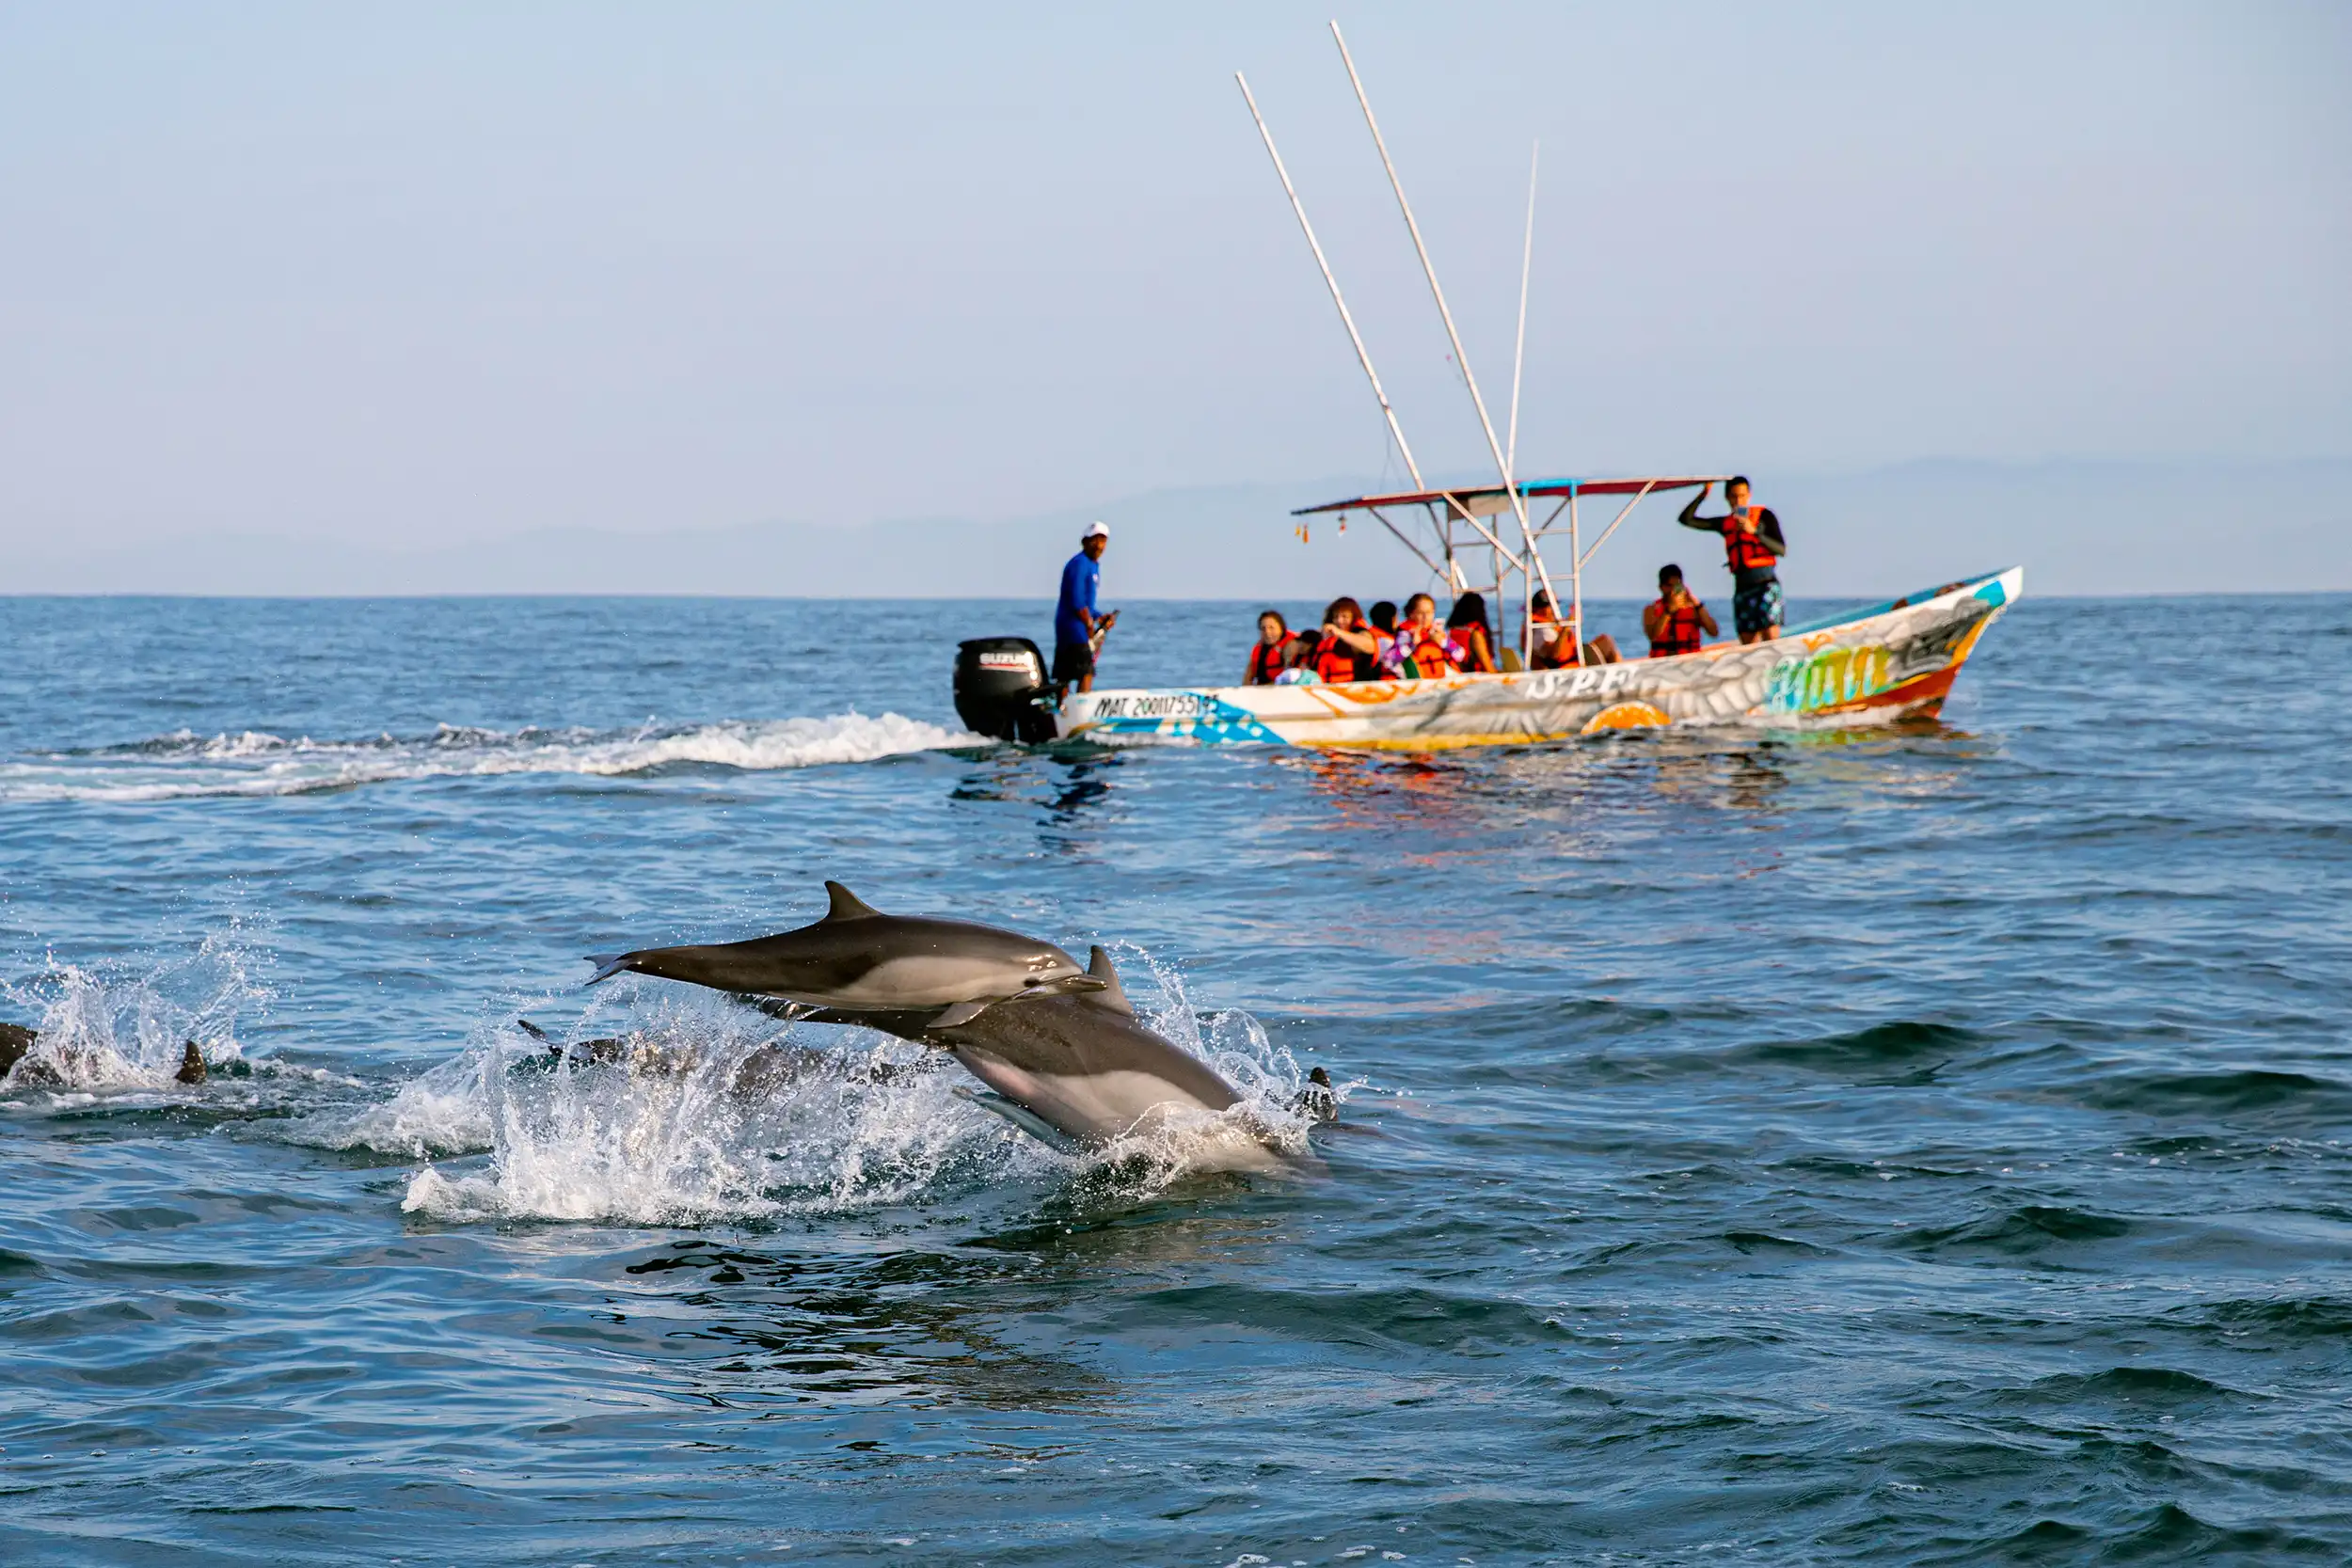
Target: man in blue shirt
1076, 621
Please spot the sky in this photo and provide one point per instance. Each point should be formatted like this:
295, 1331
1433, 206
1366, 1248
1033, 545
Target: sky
414, 275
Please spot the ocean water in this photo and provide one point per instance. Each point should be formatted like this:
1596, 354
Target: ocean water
1917, 1147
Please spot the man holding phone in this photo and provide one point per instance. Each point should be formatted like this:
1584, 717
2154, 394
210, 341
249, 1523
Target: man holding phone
1675, 622
1753, 547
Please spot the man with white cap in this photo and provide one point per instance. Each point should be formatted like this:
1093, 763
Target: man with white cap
1078, 624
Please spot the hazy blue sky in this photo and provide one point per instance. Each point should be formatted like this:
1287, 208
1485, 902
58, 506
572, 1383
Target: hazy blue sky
414, 272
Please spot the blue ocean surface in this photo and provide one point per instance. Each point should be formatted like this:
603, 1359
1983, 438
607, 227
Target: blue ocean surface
1921, 1146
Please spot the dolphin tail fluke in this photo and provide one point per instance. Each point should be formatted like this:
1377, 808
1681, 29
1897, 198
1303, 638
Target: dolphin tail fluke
608, 965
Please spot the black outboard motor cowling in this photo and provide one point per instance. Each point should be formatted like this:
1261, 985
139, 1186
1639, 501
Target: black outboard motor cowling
1001, 690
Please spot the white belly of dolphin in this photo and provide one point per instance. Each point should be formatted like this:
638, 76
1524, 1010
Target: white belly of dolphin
1099, 1107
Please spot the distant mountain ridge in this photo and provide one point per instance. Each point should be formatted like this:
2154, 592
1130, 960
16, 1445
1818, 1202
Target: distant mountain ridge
2082, 528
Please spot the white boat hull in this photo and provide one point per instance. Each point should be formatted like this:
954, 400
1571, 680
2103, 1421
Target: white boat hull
1874, 667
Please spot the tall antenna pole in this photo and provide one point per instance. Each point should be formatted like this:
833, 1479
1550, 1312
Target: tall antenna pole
1518, 503
1511, 447
1519, 352
1363, 355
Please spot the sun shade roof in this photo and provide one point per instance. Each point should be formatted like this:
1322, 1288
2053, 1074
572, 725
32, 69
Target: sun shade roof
1486, 500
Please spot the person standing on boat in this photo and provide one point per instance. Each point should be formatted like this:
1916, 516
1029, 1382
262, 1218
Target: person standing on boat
1753, 547
1078, 624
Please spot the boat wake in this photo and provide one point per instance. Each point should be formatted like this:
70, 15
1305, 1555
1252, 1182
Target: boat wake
188, 765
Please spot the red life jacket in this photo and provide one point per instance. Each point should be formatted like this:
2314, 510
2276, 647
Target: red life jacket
1335, 660
1426, 649
1265, 661
1747, 552
1562, 650
1677, 630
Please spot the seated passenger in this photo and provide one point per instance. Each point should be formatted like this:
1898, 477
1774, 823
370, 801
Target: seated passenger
1421, 646
1346, 649
1387, 663
1555, 645
1265, 658
1676, 618
1468, 640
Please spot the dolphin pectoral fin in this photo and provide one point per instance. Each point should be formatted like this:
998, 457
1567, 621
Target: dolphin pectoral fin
963, 1012
776, 1007
608, 965
1113, 996
847, 905
1022, 1116
191, 1064
534, 1030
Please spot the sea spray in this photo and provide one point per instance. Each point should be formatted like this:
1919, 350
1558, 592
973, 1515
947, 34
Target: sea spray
124, 1025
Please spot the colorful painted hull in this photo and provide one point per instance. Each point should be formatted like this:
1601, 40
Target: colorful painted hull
1870, 667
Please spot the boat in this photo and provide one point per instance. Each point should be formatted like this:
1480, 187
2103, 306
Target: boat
1872, 666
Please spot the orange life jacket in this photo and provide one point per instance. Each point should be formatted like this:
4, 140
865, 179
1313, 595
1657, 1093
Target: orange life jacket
1426, 648
1335, 660
1564, 649
1265, 661
1747, 552
1677, 630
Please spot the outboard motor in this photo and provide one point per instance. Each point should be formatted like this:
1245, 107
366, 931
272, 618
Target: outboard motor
1001, 690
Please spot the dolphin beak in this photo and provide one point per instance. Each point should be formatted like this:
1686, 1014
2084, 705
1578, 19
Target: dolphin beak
1065, 985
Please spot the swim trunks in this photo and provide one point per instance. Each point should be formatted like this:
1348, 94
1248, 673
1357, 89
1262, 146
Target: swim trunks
1756, 609
1072, 661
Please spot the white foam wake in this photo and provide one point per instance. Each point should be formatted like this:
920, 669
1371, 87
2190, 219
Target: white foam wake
187, 765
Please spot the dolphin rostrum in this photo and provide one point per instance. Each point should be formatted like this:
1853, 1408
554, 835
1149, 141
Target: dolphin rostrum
859, 959
1073, 1069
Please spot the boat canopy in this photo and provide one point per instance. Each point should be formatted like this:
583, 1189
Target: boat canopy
1489, 500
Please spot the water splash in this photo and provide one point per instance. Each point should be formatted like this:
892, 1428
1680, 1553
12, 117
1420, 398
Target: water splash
706, 1111
185, 765
120, 1026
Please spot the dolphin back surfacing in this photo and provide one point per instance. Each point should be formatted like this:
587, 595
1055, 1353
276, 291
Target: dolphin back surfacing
860, 959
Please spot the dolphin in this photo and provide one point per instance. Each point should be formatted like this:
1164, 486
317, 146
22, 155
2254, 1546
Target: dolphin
764, 1069
857, 959
1076, 1071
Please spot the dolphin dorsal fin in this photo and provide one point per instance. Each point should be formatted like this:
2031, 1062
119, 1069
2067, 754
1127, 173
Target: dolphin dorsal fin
847, 905
1112, 995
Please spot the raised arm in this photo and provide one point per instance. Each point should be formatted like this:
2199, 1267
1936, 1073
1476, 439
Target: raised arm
1707, 621
1768, 530
1691, 517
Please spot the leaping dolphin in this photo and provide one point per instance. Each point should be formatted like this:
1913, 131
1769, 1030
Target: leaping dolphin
1076, 1069
859, 959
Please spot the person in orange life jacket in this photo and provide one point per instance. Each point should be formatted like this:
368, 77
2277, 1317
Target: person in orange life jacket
1552, 642
1346, 649
1674, 620
1421, 646
1753, 547
1468, 641
1265, 657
